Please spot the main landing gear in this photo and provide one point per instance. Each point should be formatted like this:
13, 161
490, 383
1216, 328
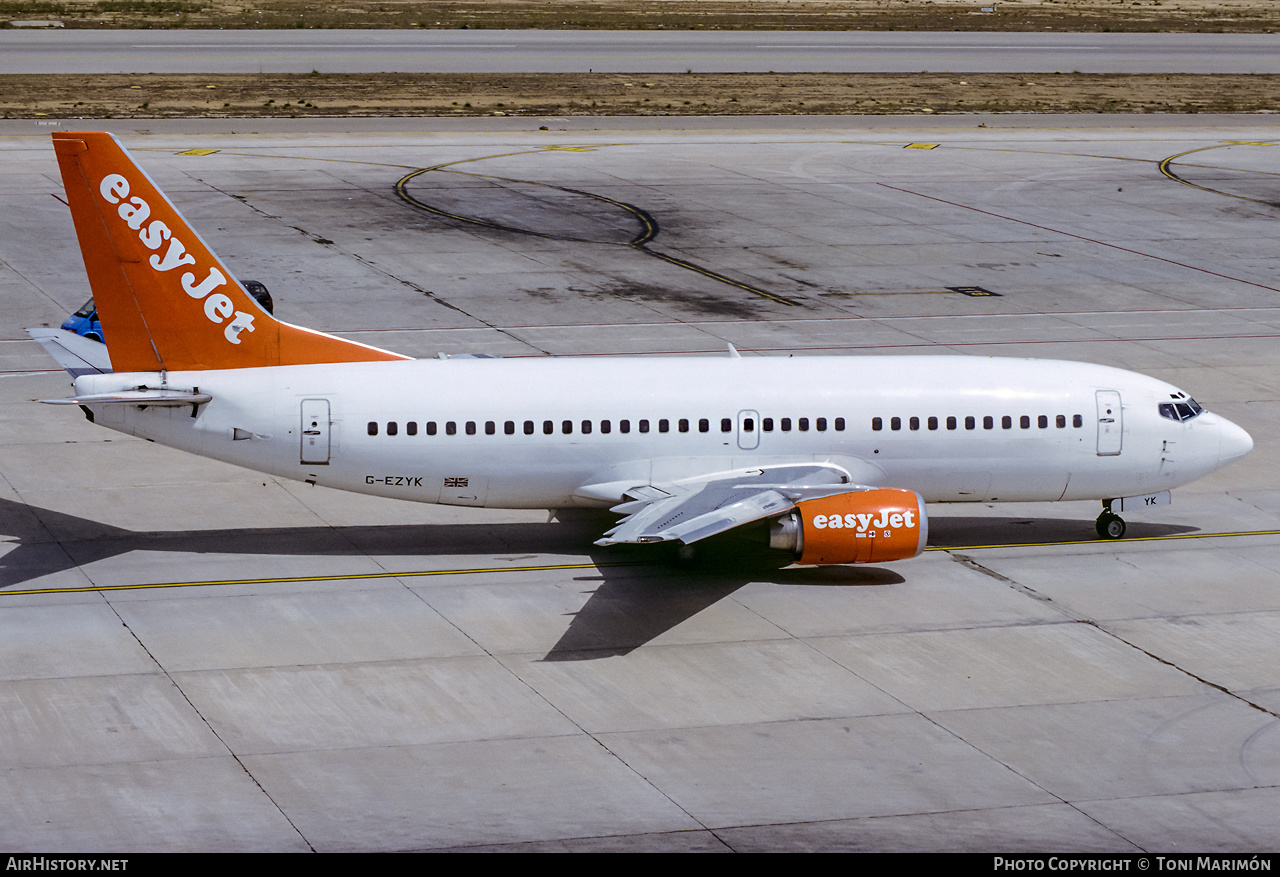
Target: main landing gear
1109, 525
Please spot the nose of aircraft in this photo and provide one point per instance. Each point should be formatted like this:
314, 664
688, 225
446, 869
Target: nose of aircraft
1233, 443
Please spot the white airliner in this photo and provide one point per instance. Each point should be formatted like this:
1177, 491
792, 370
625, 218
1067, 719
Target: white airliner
838, 454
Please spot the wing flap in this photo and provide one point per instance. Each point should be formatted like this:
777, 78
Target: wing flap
690, 511
684, 520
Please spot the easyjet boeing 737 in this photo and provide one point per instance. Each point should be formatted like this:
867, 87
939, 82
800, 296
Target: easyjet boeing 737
839, 454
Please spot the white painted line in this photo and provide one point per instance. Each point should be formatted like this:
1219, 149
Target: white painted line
956, 47
325, 46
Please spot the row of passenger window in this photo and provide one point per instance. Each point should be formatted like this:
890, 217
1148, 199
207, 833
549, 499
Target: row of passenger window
585, 427
971, 422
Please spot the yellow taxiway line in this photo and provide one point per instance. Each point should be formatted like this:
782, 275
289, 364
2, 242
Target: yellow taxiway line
572, 566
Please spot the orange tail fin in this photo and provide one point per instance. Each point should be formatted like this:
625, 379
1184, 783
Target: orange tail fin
165, 300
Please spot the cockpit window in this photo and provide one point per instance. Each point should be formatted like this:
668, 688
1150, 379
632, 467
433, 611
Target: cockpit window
1181, 411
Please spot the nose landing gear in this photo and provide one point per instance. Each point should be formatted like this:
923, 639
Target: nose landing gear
1109, 524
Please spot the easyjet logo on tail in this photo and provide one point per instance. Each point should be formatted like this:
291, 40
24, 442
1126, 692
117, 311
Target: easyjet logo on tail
152, 276
218, 307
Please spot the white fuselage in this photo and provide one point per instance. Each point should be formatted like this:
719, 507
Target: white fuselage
548, 433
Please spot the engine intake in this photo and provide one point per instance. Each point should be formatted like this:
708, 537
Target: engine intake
861, 526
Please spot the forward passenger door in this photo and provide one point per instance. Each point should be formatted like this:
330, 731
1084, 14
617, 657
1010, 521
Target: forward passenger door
1110, 423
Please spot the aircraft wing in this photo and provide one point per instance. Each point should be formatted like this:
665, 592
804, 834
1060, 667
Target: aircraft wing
78, 355
692, 510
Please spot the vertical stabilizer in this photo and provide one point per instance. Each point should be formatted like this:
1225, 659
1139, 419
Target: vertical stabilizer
166, 302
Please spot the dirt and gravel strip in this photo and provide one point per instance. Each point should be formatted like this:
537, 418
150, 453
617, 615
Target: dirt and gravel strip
1253, 16
276, 96
136, 96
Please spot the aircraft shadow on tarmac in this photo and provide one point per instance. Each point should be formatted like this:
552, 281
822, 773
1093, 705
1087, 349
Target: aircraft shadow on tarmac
636, 594
633, 604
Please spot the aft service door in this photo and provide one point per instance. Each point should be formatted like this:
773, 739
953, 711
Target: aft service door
748, 430
315, 431
1110, 424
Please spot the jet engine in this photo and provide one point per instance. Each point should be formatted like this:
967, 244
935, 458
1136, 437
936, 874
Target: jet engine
861, 526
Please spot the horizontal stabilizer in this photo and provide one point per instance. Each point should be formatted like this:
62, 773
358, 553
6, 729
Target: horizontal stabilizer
158, 398
77, 354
